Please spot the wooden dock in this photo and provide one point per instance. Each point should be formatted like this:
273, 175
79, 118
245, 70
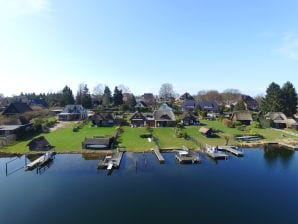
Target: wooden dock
215, 154
187, 157
41, 161
111, 161
231, 149
158, 155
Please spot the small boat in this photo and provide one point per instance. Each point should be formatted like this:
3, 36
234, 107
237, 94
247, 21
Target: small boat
214, 153
41, 161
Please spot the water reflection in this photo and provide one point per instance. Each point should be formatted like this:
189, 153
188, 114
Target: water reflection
273, 154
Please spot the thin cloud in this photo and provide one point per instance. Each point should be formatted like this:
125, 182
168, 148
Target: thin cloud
289, 47
16, 8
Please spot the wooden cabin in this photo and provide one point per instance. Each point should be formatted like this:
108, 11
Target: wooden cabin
244, 117
39, 144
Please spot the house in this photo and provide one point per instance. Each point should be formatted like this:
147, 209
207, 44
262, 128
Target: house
164, 116
103, 119
98, 143
138, 120
16, 108
243, 116
189, 119
39, 144
6, 130
280, 120
149, 100
186, 96
140, 104
39, 102
208, 106
250, 103
207, 132
73, 113
188, 105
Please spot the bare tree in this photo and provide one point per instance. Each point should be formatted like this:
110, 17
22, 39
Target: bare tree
209, 95
123, 88
231, 95
98, 89
166, 91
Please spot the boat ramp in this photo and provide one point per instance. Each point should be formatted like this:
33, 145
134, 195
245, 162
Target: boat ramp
111, 161
40, 161
231, 149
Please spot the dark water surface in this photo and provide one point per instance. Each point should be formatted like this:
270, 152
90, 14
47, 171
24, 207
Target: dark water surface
258, 188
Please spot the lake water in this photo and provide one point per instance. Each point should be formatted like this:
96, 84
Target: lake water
258, 188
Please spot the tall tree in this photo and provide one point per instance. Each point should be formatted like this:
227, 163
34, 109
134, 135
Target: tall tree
166, 91
106, 98
272, 102
123, 88
289, 99
68, 97
83, 96
117, 97
240, 106
230, 96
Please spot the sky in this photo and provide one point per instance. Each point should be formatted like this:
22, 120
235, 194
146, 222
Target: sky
193, 44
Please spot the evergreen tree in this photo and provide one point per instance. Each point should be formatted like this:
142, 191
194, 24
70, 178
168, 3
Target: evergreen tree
272, 102
240, 106
83, 96
68, 97
117, 97
106, 99
289, 99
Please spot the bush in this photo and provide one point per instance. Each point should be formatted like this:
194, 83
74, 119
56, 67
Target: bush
146, 135
228, 123
255, 124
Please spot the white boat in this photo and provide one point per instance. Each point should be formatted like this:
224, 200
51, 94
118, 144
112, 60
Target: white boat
214, 153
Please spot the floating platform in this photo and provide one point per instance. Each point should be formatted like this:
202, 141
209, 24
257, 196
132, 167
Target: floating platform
231, 149
158, 155
187, 157
41, 161
111, 161
215, 154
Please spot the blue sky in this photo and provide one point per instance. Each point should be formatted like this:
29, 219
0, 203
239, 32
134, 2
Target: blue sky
193, 44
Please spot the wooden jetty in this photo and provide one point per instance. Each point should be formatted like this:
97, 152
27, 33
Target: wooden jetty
111, 161
41, 161
215, 154
187, 156
158, 155
231, 149
293, 147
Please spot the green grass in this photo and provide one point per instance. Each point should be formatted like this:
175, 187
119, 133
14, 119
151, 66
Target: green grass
64, 139
167, 139
130, 140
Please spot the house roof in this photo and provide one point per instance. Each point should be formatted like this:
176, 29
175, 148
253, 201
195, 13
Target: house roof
250, 102
149, 99
10, 127
73, 109
103, 116
243, 115
39, 102
165, 106
38, 143
186, 96
208, 105
187, 115
164, 114
138, 116
189, 104
276, 116
16, 108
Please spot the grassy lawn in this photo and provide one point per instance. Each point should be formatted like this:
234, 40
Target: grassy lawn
167, 139
64, 139
269, 134
130, 140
